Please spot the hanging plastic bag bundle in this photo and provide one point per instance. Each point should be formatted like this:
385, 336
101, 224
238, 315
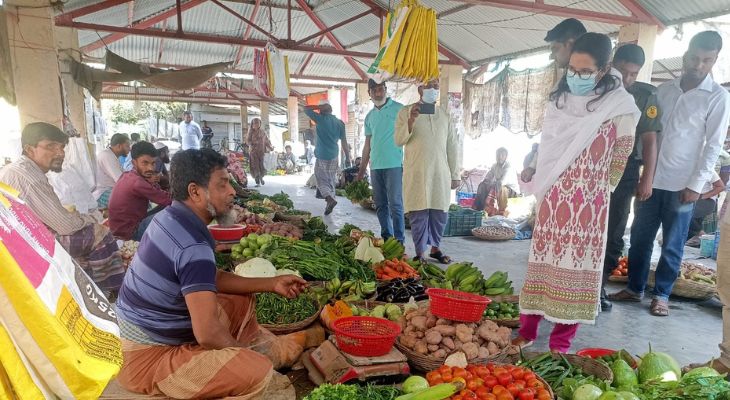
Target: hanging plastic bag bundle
260, 72
384, 65
278, 68
58, 337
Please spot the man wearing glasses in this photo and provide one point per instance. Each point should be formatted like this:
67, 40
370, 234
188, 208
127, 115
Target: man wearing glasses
90, 244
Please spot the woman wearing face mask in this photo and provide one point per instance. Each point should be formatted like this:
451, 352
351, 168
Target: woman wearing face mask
588, 134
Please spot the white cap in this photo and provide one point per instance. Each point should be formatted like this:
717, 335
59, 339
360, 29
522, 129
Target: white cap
323, 102
159, 145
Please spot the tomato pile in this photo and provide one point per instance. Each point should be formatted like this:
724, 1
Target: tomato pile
492, 382
622, 269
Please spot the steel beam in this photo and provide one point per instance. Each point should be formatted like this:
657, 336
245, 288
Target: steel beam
197, 37
178, 11
453, 57
80, 12
454, 10
277, 6
335, 26
366, 40
559, 11
139, 26
246, 20
638, 10
313, 16
247, 33
162, 42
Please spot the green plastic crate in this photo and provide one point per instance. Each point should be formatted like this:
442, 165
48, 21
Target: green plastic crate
461, 221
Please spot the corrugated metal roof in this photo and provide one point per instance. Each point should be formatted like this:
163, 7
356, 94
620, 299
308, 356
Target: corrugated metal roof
675, 11
476, 34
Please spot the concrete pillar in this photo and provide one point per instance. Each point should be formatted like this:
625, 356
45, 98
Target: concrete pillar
244, 123
450, 81
361, 94
231, 136
35, 65
292, 107
645, 36
335, 99
265, 115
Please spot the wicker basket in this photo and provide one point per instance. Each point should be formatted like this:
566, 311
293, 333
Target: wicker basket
280, 216
493, 233
588, 365
426, 363
284, 329
622, 279
688, 288
509, 323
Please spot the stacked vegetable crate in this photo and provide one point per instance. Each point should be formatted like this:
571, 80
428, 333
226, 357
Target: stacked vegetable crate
462, 220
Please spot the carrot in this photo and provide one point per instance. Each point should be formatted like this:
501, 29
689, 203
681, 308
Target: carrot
390, 271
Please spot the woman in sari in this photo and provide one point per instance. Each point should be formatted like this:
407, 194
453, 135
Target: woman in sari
258, 145
588, 134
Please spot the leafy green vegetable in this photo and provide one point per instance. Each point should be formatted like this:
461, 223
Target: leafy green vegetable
273, 309
345, 231
316, 229
358, 191
689, 388
282, 199
223, 261
259, 210
353, 392
561, 375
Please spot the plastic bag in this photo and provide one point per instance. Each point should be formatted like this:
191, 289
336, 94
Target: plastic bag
74, 184
260, 73
60, 328
278, 73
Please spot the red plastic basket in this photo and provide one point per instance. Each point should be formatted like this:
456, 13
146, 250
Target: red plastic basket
365, 336
595, 352
457, 306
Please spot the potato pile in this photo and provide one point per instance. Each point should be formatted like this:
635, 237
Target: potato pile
436, 337
250, 219
282, 229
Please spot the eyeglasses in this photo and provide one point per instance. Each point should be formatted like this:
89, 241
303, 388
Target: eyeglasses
585, 75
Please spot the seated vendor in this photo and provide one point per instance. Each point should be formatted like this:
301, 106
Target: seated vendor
499, 185
129, 207
88, 242
290, 161
706, 205
109, 169
348, 175
188, 329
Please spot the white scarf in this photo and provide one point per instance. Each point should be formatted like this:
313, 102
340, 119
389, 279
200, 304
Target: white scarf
569, 130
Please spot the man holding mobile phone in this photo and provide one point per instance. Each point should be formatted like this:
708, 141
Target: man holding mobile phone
431, 168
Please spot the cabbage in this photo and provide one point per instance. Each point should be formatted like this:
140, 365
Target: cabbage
256, 268
366, 251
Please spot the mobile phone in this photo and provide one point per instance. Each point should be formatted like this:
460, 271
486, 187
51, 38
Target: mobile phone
427, 108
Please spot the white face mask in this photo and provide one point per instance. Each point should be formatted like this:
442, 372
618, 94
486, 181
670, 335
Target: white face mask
430, 95
380, 103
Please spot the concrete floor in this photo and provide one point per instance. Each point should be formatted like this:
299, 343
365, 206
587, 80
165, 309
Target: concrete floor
690, 334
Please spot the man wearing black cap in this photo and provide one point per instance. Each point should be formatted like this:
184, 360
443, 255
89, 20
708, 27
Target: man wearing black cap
386, 159
561, 39
88, 242
628, 60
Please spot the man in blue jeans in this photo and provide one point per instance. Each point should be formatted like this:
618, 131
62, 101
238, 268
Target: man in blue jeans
387, 162
696, 112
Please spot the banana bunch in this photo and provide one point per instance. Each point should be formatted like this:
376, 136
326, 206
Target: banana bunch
497, 284
432, 275
347, 290
465, 277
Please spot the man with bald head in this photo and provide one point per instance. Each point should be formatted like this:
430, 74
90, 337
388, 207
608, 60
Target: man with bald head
431, 168
88, 242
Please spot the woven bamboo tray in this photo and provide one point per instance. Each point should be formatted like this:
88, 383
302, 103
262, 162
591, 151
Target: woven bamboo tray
493, 233
284, 329
280, 216
622, 279
687, 288
587, 364
426, 363
509, 323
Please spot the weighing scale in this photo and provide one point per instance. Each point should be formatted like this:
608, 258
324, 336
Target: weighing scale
327, 364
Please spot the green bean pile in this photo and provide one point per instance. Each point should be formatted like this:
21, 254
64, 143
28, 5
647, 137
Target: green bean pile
272, 309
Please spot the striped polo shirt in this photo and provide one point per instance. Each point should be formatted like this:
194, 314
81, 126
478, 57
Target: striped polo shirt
175, 257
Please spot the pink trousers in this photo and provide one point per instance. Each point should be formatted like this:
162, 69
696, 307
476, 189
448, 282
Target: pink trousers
560, 338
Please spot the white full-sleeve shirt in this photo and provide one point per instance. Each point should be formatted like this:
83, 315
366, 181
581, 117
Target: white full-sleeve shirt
694, 128
190, 135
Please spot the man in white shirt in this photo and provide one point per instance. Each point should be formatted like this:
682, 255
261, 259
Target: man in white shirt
695, 118
109, 169
190, 132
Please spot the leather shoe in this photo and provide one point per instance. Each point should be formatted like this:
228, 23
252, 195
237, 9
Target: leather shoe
606, 305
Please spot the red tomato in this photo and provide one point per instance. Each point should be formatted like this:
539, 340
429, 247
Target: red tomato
433, 375
481, 371
534, 383
528, 375
499, 389
482, 392
472, 384
504, 379
467, 394
490, 396
505, 396
521, 383
518, 373
457, 397
513, 389
543, 394
436, 382
526, 395
499, 370
460, 373
490, 381
447, 377
444, 368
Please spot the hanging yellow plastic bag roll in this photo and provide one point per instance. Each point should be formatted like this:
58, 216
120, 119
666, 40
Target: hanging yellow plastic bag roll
61, 327
383, 67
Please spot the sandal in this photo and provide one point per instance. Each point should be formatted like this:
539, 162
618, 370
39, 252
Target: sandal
624, 295
418, 259
659, 308
440, 257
